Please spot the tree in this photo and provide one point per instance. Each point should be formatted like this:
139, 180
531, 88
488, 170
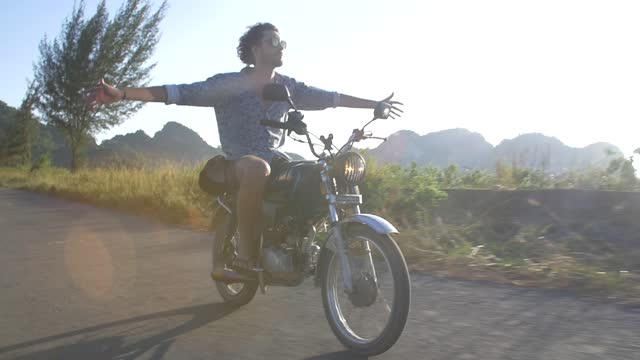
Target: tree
622, 173
85, 52
23, 132
7, 119
504, 174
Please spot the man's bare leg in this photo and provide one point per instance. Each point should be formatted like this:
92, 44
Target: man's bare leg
252, 173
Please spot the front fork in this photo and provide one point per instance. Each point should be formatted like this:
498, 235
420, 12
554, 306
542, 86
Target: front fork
343, 256
342, 250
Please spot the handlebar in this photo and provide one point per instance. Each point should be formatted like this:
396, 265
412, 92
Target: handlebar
295, 124
288, 126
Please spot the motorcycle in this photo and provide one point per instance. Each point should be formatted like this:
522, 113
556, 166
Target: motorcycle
312, 226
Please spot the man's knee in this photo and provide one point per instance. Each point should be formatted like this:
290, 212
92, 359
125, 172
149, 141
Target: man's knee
252, 169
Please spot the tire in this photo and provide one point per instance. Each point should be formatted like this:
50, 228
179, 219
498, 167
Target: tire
401, 292
232, 294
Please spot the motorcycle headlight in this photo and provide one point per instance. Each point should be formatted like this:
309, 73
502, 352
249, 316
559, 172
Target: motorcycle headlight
349, 168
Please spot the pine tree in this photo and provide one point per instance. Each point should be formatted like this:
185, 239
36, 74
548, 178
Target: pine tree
86, 51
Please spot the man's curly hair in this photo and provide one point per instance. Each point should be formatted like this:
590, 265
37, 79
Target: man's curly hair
251, 38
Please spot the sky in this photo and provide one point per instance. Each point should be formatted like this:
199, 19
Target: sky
564, 68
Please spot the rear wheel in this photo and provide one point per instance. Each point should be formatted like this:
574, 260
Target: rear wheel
369, 320
236, 294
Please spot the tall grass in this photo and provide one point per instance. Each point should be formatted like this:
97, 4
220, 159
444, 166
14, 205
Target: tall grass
169, 193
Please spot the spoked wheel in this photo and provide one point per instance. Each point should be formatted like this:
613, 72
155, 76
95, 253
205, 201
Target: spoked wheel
236, 294
369, 320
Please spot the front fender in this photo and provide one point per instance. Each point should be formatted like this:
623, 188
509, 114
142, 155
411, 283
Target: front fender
376, 223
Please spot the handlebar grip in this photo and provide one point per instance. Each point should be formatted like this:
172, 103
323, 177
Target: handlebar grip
275, 124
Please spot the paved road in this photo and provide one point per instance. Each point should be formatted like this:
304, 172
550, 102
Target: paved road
78, 282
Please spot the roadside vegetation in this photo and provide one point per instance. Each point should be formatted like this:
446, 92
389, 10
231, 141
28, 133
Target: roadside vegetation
483, 248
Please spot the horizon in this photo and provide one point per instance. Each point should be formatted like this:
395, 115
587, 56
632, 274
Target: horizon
99, 143
566, 69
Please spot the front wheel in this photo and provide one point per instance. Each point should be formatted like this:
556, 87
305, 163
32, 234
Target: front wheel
369, 320
235, 294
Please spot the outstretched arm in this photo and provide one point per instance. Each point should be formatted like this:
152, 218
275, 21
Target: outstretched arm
201, 93
355, 102
312, 98
107, 94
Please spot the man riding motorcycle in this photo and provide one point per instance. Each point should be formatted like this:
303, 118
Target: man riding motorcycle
239, 108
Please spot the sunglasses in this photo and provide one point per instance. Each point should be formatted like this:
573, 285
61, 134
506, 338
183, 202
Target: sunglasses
277, 42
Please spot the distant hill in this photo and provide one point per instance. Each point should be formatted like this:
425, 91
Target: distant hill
174, 143
470, 150
454, 146
540, 151
177, 143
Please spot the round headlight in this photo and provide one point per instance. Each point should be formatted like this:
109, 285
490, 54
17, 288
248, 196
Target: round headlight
349, 168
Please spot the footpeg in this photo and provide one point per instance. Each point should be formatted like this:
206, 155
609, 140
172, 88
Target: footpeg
230, 276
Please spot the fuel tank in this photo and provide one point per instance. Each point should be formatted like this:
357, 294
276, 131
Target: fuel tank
297, 188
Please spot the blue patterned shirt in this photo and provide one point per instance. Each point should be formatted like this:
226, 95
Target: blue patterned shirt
239, 110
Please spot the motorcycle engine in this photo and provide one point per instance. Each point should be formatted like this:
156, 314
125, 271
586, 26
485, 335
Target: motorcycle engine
277, 260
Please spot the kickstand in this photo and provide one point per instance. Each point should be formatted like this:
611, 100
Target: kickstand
261, 280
